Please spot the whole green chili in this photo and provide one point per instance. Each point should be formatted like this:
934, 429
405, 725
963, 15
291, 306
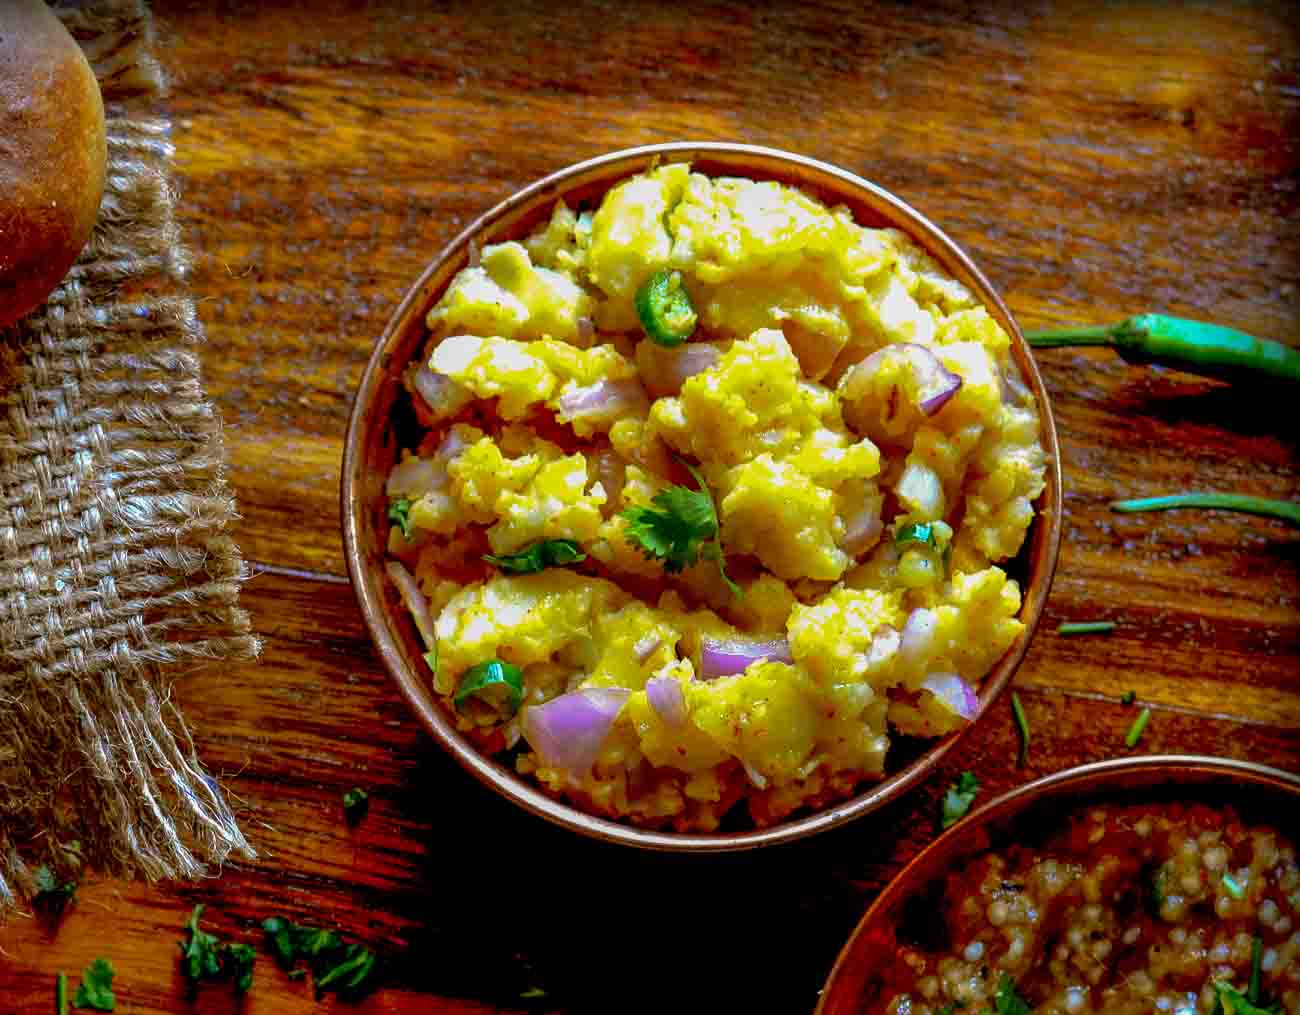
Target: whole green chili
1286, 510
1210, 350
1086, 627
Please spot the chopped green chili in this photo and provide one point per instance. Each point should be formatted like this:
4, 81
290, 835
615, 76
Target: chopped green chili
922, 561
538, 557
1086, 627
1159, 886
916, 534
1288, 511
1128, 697
498, 686
665, 310
1233, 887
1022, 726
1210, 350
1135, 731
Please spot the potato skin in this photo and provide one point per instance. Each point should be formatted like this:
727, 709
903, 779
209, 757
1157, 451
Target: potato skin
52, 154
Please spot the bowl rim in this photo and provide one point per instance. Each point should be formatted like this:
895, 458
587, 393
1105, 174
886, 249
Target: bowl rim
1146, 772
760, 163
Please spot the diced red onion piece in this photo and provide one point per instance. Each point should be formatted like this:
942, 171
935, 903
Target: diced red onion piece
862, 529
443, 396
755, 776
568, 731
452, 445
666, 698
409, 590
918, 634
719, 658
689, 359
586, 329
602, 399
1014, 391
415, 476
512, 732
935, 383
955, 694
921, 490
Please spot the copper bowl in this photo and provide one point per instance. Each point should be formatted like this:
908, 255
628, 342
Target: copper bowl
371, 450
1257, 792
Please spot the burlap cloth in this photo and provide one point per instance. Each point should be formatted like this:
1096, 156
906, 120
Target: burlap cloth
116, 574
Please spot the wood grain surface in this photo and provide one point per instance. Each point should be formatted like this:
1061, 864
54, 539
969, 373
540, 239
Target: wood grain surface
1096, 160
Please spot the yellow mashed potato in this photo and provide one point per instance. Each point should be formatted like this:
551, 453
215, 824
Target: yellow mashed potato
800, 400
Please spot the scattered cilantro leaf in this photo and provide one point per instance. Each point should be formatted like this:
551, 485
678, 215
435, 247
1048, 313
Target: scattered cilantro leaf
1234, 1002
279, 936
958, 799
356, 802
96, 987
1006, 1001
399, 513
351, 974
53, 893
679, 527
538, 557
237, 964
199, 957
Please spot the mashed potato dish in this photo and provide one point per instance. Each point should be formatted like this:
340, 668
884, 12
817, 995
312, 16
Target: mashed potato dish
708, 499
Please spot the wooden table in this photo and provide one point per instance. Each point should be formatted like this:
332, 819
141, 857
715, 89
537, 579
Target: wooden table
1095, 160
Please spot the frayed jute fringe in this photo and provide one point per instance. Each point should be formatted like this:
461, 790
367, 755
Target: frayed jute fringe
116, 574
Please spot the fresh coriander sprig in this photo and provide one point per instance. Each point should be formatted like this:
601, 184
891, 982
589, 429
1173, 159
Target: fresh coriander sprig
538, 557
96, 987
679, 527
347, 969
356, 802
399, 513
958, 799
203, 957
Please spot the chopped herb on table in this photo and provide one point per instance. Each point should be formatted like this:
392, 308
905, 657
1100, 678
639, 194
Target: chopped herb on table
665, 310
96, 987
53, 893
399, 513
958, 799
1086, 627
356, 802
1287, 511
1210, 350
679, 527
203, 957
1022, 727
61, 994
1128, 697
1139, 725
346, 969
538, 557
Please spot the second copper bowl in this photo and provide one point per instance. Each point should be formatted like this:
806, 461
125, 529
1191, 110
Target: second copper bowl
371, 450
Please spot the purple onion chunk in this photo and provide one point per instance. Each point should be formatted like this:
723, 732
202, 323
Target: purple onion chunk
726, 658
666, 698
568, 731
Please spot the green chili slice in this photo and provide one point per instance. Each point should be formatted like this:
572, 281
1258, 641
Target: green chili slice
496, 685
538, 557
1022, 727
1210, 350
1233, 887
665, 310
1086, 627
1135, 731
916, 534
1286, 510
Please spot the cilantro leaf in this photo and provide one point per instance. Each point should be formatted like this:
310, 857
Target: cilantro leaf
279, 935
199, 958
52, 893
679, 527
1233, 1002
237, 964
399, 513
958, 799
538, 557
1006, 1001
96, 987
352, 973
356, 802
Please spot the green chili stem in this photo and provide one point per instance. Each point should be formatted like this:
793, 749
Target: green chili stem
61, 994
1051, 338
1288, 511
1135, 731
1022, 725
1087, 627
